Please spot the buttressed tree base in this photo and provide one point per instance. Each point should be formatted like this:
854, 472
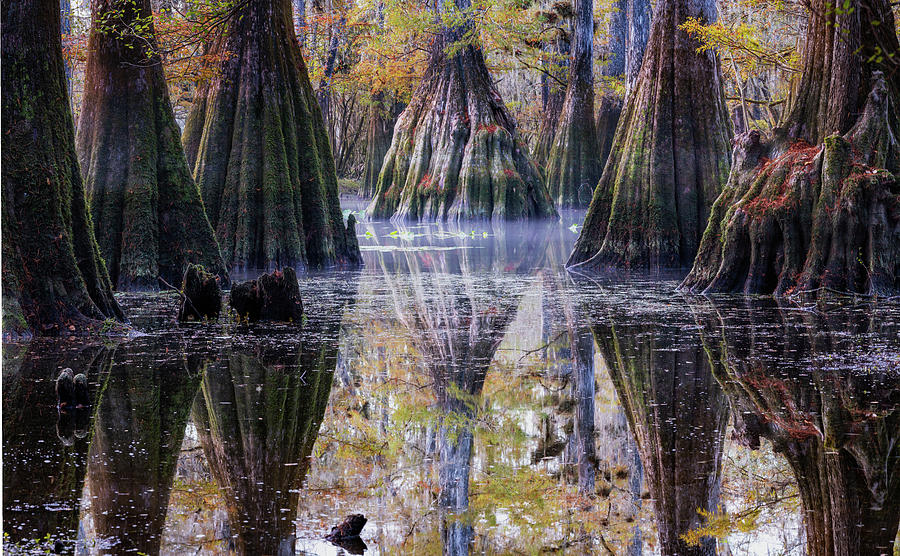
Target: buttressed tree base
256, 140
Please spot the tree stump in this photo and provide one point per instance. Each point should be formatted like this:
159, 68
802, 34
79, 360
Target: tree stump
272, 297
202, 296
350, 528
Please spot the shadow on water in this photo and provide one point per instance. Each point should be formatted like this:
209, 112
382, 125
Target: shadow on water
45, 452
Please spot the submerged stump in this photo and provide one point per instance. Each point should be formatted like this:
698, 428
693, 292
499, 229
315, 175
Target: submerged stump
201, 295
271, 297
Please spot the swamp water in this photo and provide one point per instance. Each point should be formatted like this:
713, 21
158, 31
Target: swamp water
468, 396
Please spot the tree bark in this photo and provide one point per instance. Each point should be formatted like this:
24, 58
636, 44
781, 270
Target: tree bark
814, 208
257, 142
147, 213
553, 81
835, 422
382, 118
53, 275
670, 155
677, 414
455, 154
573, 167
629, 29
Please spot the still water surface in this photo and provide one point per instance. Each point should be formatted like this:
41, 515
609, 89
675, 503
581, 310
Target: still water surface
468, 396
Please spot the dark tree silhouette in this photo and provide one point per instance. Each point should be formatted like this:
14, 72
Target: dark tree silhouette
53, 276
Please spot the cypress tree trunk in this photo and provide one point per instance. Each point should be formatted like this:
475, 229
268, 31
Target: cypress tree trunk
816, 206
629, 30
382, 118
553, 82
257, 143
677, 414
573, 168
147, 213
456, 154
53, 276
137, 439
670, 155
837, 422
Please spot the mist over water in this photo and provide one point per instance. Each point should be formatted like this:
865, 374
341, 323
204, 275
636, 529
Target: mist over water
468, 395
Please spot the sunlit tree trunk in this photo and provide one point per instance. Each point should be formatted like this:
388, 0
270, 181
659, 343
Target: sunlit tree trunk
455, 154
53, 275
260, 152
573, 166
670, 155
147, 213
815, 206
836, 423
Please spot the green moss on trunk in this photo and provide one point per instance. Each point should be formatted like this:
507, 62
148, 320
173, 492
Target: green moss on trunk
146, 208
455, 154
670, 156
53, 275
260, 151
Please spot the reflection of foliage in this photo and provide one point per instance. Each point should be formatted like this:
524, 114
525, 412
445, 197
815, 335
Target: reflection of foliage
835, 419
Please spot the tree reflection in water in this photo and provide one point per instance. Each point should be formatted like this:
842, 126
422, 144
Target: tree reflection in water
823, 386
675, 409
456, 308
44, 452
258, 415
138, 431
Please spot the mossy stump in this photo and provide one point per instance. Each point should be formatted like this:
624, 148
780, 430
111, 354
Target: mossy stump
271, 297
201, 295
